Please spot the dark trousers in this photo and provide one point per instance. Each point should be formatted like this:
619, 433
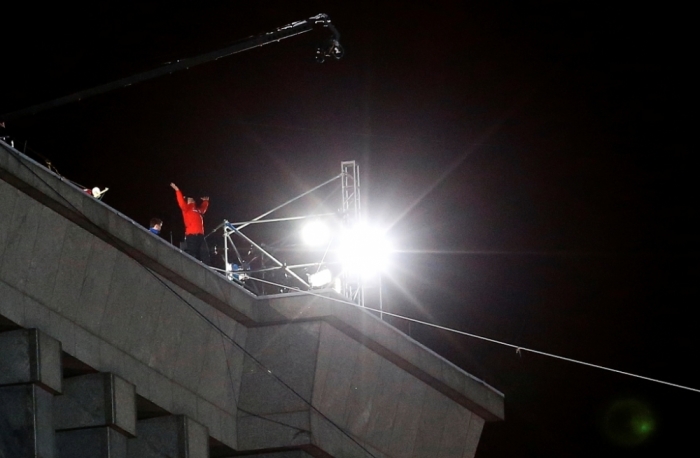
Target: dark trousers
196, 246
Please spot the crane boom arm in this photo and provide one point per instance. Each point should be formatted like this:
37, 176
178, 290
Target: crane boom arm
331, 49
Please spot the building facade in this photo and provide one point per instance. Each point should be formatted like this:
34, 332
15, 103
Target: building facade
114, 343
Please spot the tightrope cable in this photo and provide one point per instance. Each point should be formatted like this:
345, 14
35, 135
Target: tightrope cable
518, 348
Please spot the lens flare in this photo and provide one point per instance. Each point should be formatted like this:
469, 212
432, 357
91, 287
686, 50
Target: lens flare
628, 422
315, 233
365, 250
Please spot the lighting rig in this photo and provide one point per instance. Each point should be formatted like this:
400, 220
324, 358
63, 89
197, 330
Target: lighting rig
352, 250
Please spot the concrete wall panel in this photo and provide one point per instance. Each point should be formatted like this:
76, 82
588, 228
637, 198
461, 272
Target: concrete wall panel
21, 236
364, 384
289, 454
121, 304
174, 436
336, 365
164, 338
297, 343
454, 434
30, 356
289, 351
476, 425
138, 374
170, 256
191, 349
87, 347
384, 404
8, 198
273, 430
219, 379
72, 266
208, 414
338, 443
229, 430
263, 394
96, 285
51, 376
407, 417
121, 227
11, 303
63, 330
143, 319
184, 401
384, 334
111, 358
160, 390
431, 425
102, 442
35, 315
94, 400
26, 424
46, 255
123, 404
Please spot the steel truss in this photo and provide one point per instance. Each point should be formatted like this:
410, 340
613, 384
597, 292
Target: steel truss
236, 269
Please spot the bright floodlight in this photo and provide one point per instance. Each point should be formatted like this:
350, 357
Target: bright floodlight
320, 278
315, 233
364, 251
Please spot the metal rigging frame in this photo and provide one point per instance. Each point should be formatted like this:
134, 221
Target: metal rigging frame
350, 213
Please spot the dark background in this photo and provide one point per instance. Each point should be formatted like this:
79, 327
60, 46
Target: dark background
532, 159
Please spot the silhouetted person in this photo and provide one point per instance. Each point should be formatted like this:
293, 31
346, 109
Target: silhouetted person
195, 244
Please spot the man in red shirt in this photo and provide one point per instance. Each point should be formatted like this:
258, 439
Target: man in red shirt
195, 244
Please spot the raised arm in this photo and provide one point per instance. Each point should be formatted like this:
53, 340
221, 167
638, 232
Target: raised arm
178, 196
205, 204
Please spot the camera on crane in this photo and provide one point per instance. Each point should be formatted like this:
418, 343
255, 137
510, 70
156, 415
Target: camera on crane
330, 48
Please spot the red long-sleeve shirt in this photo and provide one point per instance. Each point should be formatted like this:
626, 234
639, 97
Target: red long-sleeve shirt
194, 224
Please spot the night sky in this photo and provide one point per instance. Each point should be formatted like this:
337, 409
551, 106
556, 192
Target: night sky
531, 159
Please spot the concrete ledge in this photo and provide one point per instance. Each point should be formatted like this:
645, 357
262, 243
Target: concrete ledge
30, 356
382, 338
122, 233
95, 400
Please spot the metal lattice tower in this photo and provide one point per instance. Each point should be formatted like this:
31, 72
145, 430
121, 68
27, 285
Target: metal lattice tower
352, 215
351, 192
